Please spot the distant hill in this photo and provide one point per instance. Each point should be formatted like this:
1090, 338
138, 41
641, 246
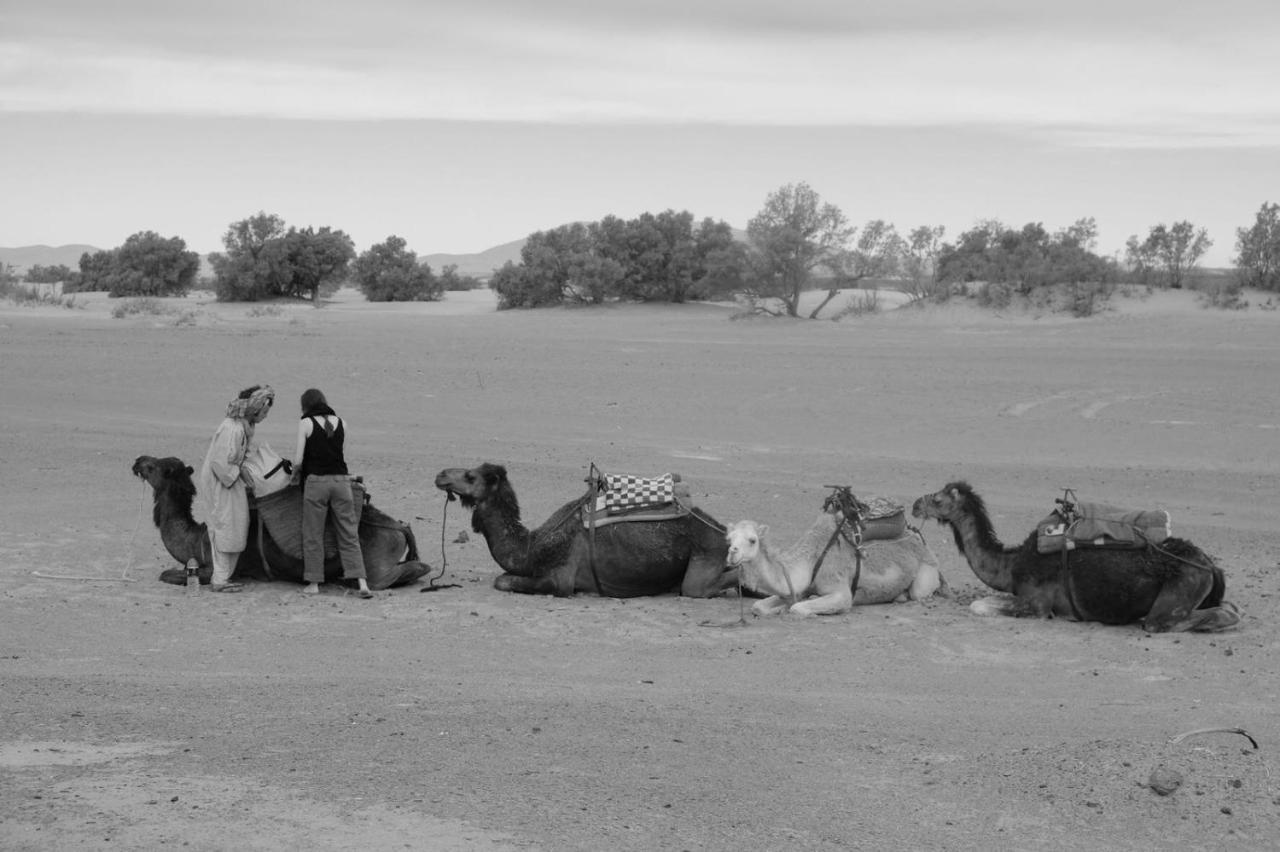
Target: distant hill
479, 265
25, 257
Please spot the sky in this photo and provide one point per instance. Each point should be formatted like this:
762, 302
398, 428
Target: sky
459, 126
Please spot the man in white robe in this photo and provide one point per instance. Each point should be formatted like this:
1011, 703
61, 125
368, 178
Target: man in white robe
222, 482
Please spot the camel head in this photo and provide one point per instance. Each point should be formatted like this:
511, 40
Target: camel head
955, 501
744, 538
158, 473
478, 486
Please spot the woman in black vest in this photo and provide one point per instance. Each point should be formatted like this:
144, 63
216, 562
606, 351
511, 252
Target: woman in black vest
326, 491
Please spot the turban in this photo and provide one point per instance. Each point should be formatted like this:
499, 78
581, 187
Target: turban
252, 404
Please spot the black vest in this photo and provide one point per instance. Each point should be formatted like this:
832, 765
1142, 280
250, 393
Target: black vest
322, 455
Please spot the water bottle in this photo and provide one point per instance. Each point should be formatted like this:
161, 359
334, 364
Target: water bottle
193, 580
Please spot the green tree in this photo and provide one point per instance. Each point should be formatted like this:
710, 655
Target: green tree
95, 270
451, 280
38, 274
918, 262
255, 262
1024, 258
389, 272
875, 254
1169, 254
147, 264
151, 265
1258, 250
317, 261
555, 266
793, 236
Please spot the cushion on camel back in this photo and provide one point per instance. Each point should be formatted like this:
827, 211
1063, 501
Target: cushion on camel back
622, 498
1099, 525
281, 515
884, 519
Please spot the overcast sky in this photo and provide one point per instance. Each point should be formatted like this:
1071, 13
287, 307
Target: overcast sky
460, 126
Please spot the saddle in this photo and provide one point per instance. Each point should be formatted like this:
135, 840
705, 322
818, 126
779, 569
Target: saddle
623, 498
1075, 524
280, 515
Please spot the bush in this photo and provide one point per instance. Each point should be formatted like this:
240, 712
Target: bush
865, 302
1225, 293
134, 307
995, 294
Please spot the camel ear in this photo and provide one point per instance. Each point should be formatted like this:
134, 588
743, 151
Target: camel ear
494, 475
762, 529
190, 470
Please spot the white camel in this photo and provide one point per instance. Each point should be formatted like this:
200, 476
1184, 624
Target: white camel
892, 570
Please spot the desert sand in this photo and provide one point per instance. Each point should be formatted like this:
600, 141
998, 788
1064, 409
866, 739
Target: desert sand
136, 717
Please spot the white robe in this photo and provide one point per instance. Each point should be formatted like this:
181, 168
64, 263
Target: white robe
222, 487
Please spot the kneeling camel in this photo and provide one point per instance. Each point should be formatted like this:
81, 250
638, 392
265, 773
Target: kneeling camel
820, 574
1170, 586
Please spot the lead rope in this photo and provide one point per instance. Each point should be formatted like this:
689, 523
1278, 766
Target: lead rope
444, 560
124, 575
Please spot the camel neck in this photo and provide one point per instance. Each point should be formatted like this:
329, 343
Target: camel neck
989, 560
509, 540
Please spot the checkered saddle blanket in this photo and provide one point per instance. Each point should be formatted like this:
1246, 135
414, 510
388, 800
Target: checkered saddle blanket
623, 497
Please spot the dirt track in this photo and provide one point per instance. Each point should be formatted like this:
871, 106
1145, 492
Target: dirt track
134, 717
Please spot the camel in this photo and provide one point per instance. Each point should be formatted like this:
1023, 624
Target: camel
383, 540
684, 554
819, 574
1170, 586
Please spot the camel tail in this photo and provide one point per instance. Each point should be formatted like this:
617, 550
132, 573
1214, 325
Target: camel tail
1217, 593
411, 543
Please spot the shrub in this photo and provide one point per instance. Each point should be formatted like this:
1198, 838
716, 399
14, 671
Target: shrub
134, 307
1225, 293
865, 302
995, 294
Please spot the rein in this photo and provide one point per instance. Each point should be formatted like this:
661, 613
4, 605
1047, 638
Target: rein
850, 529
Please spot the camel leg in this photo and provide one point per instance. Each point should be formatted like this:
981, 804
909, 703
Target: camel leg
706, 576
525, 585
400, 574
771, 605
928, 580
1174, 609
833, 604
993, 605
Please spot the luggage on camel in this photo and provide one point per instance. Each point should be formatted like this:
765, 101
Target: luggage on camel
1082, 524
266, 471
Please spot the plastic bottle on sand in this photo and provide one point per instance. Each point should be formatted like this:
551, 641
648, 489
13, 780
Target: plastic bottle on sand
193, 580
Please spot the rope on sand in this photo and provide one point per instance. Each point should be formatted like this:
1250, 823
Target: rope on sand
124, 575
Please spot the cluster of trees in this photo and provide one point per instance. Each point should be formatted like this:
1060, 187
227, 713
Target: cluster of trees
797, 242
263, 260
1258, 250
146, 265
663, 257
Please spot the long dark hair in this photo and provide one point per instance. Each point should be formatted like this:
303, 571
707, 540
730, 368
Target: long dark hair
314, 404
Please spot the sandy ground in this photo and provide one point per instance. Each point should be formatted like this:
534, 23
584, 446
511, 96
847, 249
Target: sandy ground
135, 717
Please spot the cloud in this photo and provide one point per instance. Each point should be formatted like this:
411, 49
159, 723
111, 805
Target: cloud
1155, 81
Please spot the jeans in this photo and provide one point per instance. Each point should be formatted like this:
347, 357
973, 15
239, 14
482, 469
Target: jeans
324, 496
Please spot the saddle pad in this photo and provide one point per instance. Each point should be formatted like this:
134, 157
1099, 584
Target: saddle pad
680, 504
624, 492
1099, 525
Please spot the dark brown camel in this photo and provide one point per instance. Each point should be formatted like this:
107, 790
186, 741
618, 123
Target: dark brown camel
1169, 587
685, 555
383, 540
